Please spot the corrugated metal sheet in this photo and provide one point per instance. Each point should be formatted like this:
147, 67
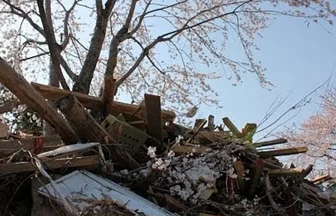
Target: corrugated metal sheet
79, 186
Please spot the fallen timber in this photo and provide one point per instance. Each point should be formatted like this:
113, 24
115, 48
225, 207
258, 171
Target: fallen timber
53, 93
29, 96
203, 171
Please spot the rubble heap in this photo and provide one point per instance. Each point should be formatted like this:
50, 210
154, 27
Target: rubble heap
113, 158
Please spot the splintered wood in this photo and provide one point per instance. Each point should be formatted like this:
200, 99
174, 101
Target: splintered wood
28, 95
53, 93
204, 170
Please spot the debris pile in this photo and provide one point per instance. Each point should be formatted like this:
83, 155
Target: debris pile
113, 158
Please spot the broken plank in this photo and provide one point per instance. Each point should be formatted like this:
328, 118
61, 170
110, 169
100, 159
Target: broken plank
88, 129
209, 137
54, 93
321, 179
298, 172
249, 127
17, 84
232, 127
270, 142
51, 164
197, 123
8, 147
199, 127
259, 165
240, 170
153, 117
283, 152
184, 149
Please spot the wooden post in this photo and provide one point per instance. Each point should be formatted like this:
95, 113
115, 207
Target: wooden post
153, 117
259, 165
89, 130
282, 152
108, 95
240, 169
27, 94
211, 122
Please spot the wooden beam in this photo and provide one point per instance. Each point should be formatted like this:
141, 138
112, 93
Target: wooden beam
232, 127
54, 93
28, 95
199, 127
240, 170
283, 152
270, 142
51, 164
287, 172
321, 179
183, 149
89, 130
249, 127
108, 95
153, 117
209, 137
8, 147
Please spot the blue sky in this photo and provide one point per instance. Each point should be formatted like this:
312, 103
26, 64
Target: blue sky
298, 58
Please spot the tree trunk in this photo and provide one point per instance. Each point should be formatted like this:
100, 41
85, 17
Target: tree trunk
85, 76
53, 81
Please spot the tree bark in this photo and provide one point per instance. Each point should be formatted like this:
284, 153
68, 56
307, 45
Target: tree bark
27, 94
85, 76
53, 81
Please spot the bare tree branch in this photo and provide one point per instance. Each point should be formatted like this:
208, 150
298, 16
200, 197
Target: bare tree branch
66, 22
35, 56
19, 12
86, 74
53, 46
117, 39
67, 69
170, 35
